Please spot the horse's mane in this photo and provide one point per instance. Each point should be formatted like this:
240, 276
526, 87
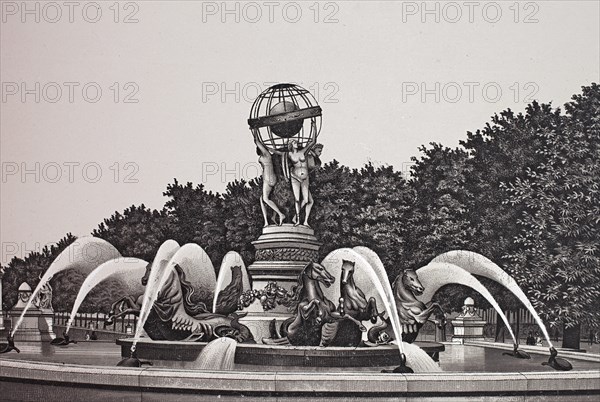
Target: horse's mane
230, 294
397, 282
403, 273
191, 308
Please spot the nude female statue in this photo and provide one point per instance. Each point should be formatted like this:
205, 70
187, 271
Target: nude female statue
298, 173
269, 178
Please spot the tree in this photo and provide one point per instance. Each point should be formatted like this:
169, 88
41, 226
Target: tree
137, 232
334, 191
244, 222
557, 248
441, 210
383, 214
30, 269
497, 154
197, 216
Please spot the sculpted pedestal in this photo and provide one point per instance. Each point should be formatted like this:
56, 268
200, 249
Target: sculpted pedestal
282, 252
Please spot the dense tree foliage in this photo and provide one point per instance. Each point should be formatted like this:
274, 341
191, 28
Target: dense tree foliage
523, 190
197, 217
137, 232
30, 269
441, 211
243, 218
557, 247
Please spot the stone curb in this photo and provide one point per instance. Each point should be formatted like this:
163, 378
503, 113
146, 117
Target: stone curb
540, 350
173, 380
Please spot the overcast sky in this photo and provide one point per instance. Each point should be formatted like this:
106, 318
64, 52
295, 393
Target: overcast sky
178, 78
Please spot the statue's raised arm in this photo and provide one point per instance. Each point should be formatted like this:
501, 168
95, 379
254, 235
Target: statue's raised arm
313, 137
269, 179
259, 143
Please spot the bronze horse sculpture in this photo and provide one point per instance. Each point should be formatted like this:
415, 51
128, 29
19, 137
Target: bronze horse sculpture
352, 299
412, 312
175, 314
317, 320
311, 306
353, 306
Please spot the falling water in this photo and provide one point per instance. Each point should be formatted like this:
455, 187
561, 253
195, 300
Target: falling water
85, 254
418, 360
197, 266
217, 355
477, 264
128, 271
231, 259
159, 272
437, 274
194, 262
378, 278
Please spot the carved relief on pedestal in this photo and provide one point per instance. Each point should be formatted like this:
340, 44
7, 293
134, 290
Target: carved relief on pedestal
286, 254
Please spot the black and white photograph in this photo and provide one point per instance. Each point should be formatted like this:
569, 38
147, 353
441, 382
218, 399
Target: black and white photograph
305, 200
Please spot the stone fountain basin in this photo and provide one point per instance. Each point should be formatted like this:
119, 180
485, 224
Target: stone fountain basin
33, 381
176, 354
70, 376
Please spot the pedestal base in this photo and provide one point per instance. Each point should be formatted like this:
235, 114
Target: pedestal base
467, 329
282, 252
35, 327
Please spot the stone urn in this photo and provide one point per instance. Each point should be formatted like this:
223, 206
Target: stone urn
468, 326
37, 321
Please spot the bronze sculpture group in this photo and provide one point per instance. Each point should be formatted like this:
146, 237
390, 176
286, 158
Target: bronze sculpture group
315, 320
318, 322
177, 316
294, 165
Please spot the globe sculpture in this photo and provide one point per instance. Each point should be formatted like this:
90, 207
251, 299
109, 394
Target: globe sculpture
284, 112
285, 121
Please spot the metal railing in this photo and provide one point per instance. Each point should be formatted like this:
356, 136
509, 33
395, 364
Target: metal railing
524, 316
95, 321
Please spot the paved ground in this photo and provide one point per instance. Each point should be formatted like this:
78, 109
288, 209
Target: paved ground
585, 345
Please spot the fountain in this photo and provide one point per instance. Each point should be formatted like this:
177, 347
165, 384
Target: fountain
126, 271
84, 255
479, 265
286, 324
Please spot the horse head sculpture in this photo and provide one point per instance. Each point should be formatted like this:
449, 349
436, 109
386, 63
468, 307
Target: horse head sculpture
410, 281
317, 272
412, 312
